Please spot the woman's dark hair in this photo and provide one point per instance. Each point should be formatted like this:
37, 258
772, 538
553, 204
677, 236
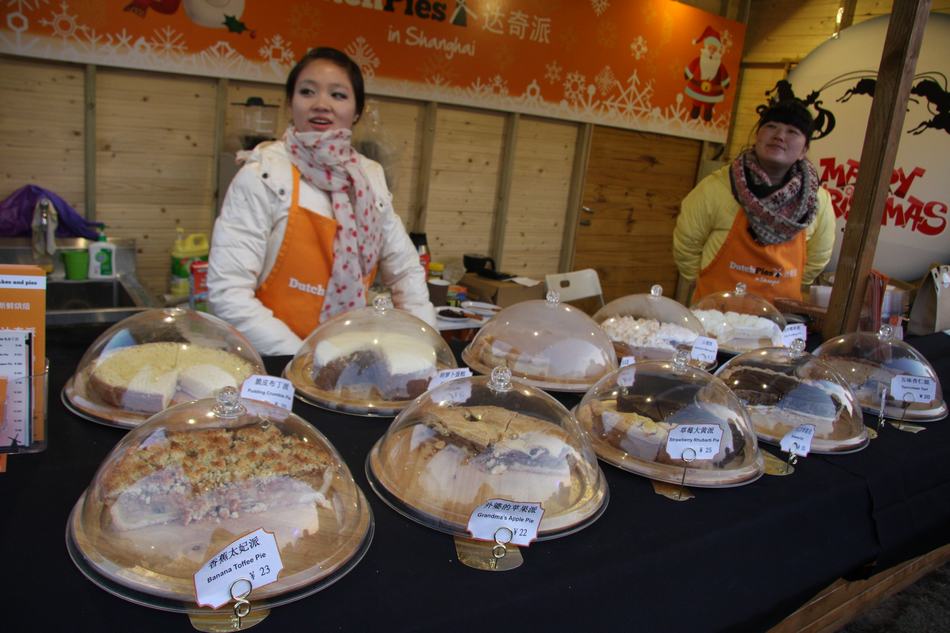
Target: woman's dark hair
791, 112
340, 59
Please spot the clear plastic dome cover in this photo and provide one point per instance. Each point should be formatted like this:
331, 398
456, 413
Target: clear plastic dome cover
871, 361
740, 321
157, 359
370, 361
198, 476
479, 438
638, 415
544, 343
648, 326
783, 388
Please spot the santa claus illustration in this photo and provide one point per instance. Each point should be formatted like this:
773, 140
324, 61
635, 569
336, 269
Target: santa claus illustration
706, 77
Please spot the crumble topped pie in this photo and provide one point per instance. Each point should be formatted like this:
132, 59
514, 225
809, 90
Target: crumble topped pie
185, 477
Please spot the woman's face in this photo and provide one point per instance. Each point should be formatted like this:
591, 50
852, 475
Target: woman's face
778, 146
323, 98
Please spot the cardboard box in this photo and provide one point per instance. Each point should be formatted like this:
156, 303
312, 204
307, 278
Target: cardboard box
502, 293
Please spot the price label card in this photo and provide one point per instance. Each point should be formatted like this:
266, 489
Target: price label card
907, 388
694, 441
277, 391
704, 349
627, 376
253, 558
446, 375
497, 517
798, 441
627, 360
794, 331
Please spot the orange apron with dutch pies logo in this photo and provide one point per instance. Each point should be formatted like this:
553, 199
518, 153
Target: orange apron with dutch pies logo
770, 271
295, 286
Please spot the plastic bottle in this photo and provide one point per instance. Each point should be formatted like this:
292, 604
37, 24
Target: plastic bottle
101, 258
424, 258
436, 269
186, 250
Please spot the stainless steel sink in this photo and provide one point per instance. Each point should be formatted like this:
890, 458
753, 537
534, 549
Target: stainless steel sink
89, 301
94, 301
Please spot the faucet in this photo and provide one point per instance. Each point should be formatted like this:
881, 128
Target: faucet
44, 226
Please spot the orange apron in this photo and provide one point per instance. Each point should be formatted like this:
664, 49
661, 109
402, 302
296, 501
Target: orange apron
770, 271
295, 286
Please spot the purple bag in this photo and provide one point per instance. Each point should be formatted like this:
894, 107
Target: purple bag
16, 214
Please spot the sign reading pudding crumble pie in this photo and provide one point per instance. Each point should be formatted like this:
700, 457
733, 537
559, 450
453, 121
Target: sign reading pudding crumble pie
701, 440
254, 558
276, 391
521, 519
446, 375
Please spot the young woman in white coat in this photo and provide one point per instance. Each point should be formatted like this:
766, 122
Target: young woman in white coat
308, 222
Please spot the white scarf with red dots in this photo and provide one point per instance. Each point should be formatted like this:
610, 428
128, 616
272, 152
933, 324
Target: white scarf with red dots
327, 161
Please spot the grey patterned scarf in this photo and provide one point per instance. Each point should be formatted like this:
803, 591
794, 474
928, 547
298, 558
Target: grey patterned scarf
776, 212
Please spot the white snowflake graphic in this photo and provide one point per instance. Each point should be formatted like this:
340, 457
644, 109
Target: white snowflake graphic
436, 80
222, 55
26, 5
726, 41
64, 25
496, 86
167, 41
552, 72
632, 100
275, 49
605, 80
118, 42
638, 47
364, 56
574, 86
599, 6
532, 93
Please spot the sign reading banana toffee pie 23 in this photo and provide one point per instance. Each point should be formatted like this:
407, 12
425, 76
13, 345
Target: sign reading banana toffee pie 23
840, 76
654, 65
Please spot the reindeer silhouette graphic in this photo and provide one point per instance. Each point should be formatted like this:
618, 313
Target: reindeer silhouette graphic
937, 99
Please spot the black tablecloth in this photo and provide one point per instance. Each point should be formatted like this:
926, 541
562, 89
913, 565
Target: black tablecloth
730, 559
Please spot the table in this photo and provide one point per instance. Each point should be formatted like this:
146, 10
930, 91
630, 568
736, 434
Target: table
735, 559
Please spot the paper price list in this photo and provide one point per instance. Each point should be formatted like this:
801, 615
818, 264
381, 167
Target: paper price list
15, 389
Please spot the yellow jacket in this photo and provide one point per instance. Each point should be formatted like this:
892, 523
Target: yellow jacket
707, 213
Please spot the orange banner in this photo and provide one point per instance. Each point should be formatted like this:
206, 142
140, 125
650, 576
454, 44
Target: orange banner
654, 65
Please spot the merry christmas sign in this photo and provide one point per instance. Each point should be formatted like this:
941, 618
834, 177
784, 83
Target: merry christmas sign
839, 79
653, 65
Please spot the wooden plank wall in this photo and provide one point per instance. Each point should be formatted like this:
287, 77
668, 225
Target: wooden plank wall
464, 175
154, 161
41, 128
155, 143
537, 204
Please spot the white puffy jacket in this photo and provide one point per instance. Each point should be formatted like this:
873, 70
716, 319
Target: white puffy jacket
250, 230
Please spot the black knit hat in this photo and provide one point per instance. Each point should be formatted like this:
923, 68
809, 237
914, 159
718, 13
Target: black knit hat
791, 112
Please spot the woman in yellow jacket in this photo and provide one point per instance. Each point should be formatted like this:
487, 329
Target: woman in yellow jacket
763, 220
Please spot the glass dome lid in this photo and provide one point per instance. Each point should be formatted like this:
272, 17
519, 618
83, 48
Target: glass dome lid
669, 421
370, 361
195, 478
478, 438
648, 326
544, 343
156, 359
740, 321
783, 388
873, 364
